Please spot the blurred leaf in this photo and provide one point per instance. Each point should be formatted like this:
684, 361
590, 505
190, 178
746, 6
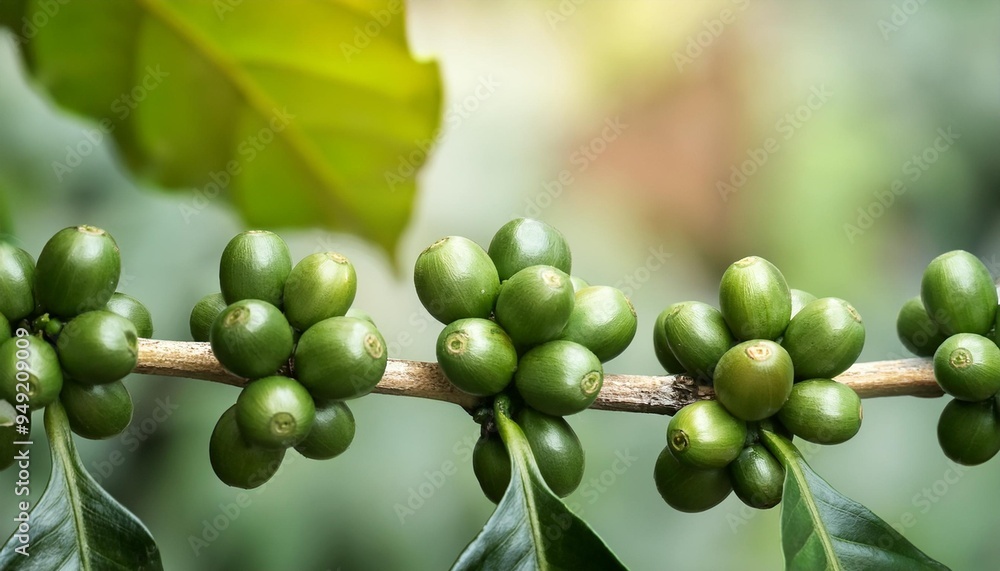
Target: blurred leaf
531, 528
76, 524
306, 112
822, 529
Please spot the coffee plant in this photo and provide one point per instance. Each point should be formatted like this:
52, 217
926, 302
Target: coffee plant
524, 341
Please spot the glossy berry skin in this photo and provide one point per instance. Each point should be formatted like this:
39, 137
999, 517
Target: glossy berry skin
967, 366
235, 461
77, 271
320, 286
689, 489
704, 435
98, 347
17, 282
332, 432
5, 329
753, 379
920, 334
29, 363
133, 310
556, 448
455, 278
603, 320
251, 338
97, 411
203, 315
757, 477
698, 337
477, 356
340, 358
255, 265
275, 412
491, 464
754, 299
661, 344
822, 411
824, 339
969, 432
535, 305
959, 294
525, 242
559, 378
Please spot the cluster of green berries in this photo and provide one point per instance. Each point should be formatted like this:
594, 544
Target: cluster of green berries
516, 321
290, 331
66, 334
771, 354
954, 321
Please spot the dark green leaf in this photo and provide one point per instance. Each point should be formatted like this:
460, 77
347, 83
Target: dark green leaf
822, 529
76, 524
305, 112
531, 528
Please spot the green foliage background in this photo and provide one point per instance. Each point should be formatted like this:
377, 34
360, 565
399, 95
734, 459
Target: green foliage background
525, 86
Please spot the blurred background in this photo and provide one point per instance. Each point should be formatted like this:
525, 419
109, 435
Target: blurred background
848, 143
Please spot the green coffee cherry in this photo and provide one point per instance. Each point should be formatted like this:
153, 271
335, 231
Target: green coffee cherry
98, 347
255, 265
477, 356
754, 299
959, 293
698, 337
753, 379
491, 464
9, 435
17, 282
689, 489
320, 286
578, 283
535, 305
822, 411
251, 338
524, 242
332, 432
920, 334
360, 314
603, 320
29, 365
661, 344
757, 477
969, 432
235, 461
5, 329
556, 448
77, 271
203, 315
824, 339
340, 358
967, 366
704, 435
455, 278
559, 378
800, 299
133, 310
275, 412
97, 411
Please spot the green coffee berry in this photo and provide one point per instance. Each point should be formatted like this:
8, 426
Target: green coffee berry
29, 365
9, 435
959, 293
967, 366
320, 286
524, 242
920, 334
477, 356
203, 315
360, 314
578, 283
340, 358
822, 411
661, 344
97, 411
5, 329
757, 477
17, 282
98, 347
969, 432
332, 432
753, 379
689, 489
77, 271
133, 310
251, 338
455, 278
698, 337
754, 299
559, 378
535, 304
235, 461
824, 339
275, 412
491, 464
255, 265
556, 449
603, 320
704, 435
800, 299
